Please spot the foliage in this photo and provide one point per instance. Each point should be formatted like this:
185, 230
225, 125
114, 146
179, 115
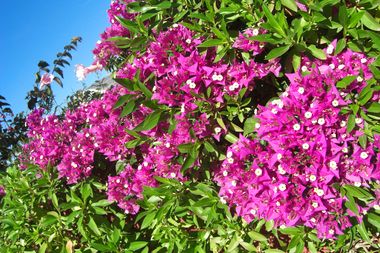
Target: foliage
237, 126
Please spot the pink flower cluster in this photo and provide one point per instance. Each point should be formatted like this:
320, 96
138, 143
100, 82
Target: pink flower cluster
182, 71
245, 44
303, 151
106, 49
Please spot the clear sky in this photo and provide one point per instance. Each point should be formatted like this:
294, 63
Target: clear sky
33, 30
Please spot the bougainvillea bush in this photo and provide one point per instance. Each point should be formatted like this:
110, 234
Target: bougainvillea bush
236, 126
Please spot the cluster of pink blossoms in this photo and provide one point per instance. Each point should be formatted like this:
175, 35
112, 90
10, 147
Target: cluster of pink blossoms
291, 178
106, 49
182, 71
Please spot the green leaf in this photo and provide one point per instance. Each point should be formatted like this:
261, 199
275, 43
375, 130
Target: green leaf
248, 246
291, 4
122, 100
272, 21
186, 147
249, 125
274, 251
130, 25
276, 52
92, 225
363, 141
231, 138
340, 45
86, 191
374, 219
137, 245
350, 123
374, 108
311, 247
363, 232
211, 43
370, 21
257, 236
102, 203
150, 121
316, 52
345, 82
128, 108
148, 220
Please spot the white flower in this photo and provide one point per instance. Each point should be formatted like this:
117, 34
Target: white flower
308, 115
331, 231
363, 155
335, 103
359, 79
192, 85
304, 68
282, 187
252, 211
230, 160
281, 169
220, 77
215, 77
172, 175
341, 66
315, 204
330, 49
175, 25
278, 203
225, 173
357, 184
296, 127
305, 146
231, 88
358, 120
233, 183
279, 156
274, 111
312, 178
301, 90
313, 220
258, 172
257, 125
236, 85
74, 165
145, 164
319, 192
255, 32
167, 145
125, 186
229, 154
332, 66
343, 123
118, 181
333, 165
363, 60
345, 150
217, 130
321, 121
188, 41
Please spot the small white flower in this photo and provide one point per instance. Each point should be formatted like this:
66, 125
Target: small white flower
189, 81
363, 60
319, 192
236, 85
172, 175
281, 169
312, 178
175, 73
223, 200
94, 115
330, 49
252, 211
215, 77
321, 121
279, 156
335, 103
301, 90
358, 120
341, 66
377, 207
308, 115
363, 155
188, 41
296, 127
343, 123
282, 187
225, 173
167, 145
125, 186
357, 184
359, 79
345, 150
217, 130
257, 125
230, 160
233, 183
145, 164
305, 146
313, 220
229, 154
118, 181
175, 25
220, 77
255, 32
231, 88
304, 68
74, 165
41, 157
258, 172
192, 85
315, 204
332, 66
331, 231
274, 111
333, 165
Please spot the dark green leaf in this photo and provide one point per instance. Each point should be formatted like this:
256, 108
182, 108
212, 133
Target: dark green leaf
276, 52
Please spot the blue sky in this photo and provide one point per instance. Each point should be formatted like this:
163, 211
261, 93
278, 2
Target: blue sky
39, 29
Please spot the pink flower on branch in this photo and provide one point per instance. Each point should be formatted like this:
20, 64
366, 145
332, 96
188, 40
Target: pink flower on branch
46, 79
